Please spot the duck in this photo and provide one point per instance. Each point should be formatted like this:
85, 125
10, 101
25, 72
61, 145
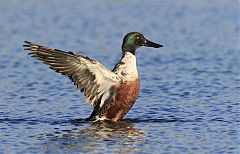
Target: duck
111, 93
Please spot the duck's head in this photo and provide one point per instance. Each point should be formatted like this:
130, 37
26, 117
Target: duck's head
134, 40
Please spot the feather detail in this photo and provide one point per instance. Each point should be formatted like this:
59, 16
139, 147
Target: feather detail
88, 75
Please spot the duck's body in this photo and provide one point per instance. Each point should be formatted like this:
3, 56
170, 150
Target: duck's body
124, 95
112, 93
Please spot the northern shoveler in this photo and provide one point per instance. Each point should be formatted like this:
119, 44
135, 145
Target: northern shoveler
111, 93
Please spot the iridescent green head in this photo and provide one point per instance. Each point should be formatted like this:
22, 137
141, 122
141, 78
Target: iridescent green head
134, 40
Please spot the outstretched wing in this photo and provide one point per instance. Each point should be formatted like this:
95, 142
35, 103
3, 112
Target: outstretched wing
89, 75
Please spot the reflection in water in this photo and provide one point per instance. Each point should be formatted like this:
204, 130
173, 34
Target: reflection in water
117, 137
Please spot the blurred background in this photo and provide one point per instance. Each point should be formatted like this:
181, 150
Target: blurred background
189, 100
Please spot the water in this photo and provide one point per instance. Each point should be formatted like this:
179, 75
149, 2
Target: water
189, 100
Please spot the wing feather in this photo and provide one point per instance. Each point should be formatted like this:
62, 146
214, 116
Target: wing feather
88, 75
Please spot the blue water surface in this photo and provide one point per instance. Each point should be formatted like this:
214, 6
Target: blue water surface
189, 100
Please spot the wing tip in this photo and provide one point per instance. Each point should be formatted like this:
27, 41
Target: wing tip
27, 46
30, 46
28, 42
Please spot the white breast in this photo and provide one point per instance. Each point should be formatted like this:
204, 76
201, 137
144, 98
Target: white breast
127, 67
